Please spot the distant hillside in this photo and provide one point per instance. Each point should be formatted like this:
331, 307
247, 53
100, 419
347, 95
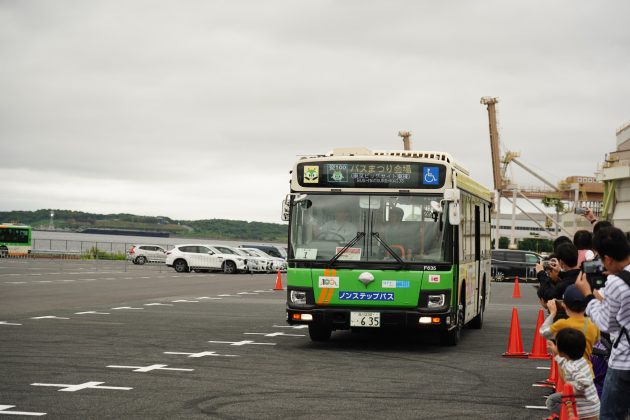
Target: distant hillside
211, 228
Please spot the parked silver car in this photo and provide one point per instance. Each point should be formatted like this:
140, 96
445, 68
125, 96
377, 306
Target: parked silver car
141, 254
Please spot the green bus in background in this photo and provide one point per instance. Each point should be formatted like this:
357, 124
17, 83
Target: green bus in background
15, 240
381, 239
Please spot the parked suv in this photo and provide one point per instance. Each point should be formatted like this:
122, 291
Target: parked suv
140, 254
509, 263
198, 257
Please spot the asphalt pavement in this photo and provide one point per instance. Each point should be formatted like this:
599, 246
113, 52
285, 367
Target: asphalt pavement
80, 340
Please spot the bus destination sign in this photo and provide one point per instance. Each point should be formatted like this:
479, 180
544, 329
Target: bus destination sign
399, 175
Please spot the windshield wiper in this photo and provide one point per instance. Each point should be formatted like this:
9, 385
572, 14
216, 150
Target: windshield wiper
353, 241
387, 247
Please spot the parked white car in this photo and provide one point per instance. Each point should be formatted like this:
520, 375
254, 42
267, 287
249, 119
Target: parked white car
277, 264
187, 257
141, 254
255, 262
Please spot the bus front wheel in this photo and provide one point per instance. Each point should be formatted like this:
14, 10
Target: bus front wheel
319, 332
4, 252
453, 336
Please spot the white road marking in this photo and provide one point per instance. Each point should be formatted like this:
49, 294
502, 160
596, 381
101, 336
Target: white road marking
225, 295
295, 327
185, 301
49, 317
149, 368
15, 282
158, 304
68, 281
263, 291
125, 307
35, 274
276, 334
86, 385
201, 354
144, 277
4, 408
241, 343
543, 367
87, 279
246, 293
536, 407
8, 323
92, 312
43, 281
207, 297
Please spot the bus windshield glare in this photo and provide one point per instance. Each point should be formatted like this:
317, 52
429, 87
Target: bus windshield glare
368, 228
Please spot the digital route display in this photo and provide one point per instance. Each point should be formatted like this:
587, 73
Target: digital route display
398, 175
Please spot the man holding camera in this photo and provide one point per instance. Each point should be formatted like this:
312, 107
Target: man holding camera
609, 309
552, 287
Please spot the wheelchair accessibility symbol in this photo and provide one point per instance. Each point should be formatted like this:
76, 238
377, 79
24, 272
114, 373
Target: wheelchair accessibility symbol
431, 175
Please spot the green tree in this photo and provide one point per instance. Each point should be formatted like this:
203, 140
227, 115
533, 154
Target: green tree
504, 242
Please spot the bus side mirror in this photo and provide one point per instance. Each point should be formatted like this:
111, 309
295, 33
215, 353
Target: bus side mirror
454, 215
285, 210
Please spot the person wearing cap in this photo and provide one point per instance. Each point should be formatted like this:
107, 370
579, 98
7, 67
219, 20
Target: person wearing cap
574, 304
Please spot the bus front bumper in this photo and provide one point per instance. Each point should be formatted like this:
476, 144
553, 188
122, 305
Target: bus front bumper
338, 318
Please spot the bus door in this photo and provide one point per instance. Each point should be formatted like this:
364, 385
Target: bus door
478, 255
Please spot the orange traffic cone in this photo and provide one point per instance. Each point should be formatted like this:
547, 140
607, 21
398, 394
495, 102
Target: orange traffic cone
539, 346
278, 282
551, 380
559, 383
515, 342
517, 289
568, 410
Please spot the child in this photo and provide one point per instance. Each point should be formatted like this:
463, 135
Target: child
569, 353
574, 305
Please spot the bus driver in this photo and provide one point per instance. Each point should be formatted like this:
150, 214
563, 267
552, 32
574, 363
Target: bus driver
339, 228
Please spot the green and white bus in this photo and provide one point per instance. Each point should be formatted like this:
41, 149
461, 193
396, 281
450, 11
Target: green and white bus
15, 240
381, 239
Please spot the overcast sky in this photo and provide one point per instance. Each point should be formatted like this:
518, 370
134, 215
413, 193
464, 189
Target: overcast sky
198, 109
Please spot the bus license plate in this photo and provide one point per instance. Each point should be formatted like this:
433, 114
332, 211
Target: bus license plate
365, 319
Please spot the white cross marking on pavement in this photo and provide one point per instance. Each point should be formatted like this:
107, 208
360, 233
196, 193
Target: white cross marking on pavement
4, 408
201, 354
295, 327
207, 297
92, 312
49, 317
148, 368
158, 304
184, 301
241, 343
126, 307
79, 387
276, 334
8, 323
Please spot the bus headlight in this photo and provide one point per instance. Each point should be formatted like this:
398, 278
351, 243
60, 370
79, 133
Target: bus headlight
436, 301
298, 297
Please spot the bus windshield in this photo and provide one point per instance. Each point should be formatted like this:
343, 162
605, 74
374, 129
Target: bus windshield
369, 228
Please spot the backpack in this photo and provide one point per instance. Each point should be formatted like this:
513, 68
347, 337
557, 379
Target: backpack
625, 276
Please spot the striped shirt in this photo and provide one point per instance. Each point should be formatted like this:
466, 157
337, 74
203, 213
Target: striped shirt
578, 374
610, 315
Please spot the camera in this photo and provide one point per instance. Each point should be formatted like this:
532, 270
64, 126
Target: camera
580, 210
594, 271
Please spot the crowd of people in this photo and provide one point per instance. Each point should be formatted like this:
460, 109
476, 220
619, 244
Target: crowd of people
587, 325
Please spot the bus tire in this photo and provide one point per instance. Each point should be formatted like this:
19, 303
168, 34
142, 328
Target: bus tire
4, 252
453, 336
319, 332
477, 322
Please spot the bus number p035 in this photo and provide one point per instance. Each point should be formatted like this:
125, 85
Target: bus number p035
365, 319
